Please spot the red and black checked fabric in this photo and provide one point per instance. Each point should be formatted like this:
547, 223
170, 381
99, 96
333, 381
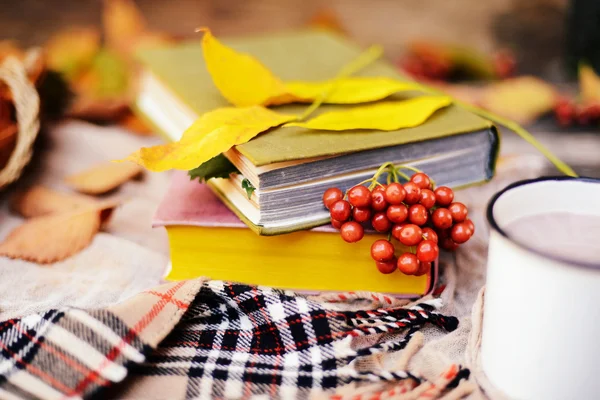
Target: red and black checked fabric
237, 341
65, 353
226, 341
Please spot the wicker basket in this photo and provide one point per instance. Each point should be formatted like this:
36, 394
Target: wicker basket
16, 139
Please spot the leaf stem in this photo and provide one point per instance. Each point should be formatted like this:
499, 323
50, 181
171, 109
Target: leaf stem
364, 59
525, 135
516, 128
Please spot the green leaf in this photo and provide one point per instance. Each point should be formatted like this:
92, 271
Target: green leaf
216, 167
248, 187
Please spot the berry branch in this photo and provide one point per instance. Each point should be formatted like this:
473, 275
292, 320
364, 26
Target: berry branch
416, 217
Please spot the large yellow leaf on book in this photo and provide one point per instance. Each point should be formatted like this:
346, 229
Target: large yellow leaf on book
350, 90
385, 116
212, 134
242, 79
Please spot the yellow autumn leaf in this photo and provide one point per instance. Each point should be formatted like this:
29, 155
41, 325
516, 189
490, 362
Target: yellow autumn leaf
589, 85
123, 25
349, 90
385, 116
212, 134
241, 78
72, 50
244, 81
523, 99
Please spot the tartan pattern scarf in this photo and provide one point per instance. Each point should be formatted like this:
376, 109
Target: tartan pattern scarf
208, 339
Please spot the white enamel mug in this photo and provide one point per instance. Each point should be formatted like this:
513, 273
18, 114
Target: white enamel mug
541, 323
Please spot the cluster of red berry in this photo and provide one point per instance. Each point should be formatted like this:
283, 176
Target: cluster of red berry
569, 113
413, 213
429, 64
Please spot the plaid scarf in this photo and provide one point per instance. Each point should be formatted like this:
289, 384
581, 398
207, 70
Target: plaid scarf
204, 340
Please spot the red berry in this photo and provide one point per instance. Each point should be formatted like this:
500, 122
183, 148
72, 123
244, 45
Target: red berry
448, 244
565, 111
352, 231
361, 214
424, 268
413, 193
429, 234
461, 233
379, 188
427, 198
359, 196
337, 224
410, 235
382, 250
442, 219
332, 195
340, 210
408, 264
387, 267
394, 193
443, 196
397, 213
378, 202
380, 222
458, 211
418, 215
471, 225
421, 180
396, 230
427, 251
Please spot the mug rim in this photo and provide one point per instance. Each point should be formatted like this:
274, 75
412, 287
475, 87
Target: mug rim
494, 225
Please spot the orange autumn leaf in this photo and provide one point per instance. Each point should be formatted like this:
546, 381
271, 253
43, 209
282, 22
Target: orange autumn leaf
55, 237
327, 19
212, 134
103, 178
51, 238
40, 200
134, 124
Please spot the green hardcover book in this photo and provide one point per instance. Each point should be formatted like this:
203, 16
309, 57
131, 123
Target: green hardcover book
291, 167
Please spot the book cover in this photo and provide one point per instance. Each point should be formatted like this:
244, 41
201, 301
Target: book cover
207, 239
316, 55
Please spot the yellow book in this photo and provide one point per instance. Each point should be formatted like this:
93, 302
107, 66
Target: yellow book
207, 239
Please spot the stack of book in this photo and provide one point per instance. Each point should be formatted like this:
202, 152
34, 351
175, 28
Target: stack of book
279, 236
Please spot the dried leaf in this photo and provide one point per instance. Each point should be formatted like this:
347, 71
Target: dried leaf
72, 50
350, 90
123, 24
589, 85
241, 78
107, 77
523, 99
103, 178
212, 134
134, 124
386, 116
327, 19
40, 200
51, 238
103, 90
